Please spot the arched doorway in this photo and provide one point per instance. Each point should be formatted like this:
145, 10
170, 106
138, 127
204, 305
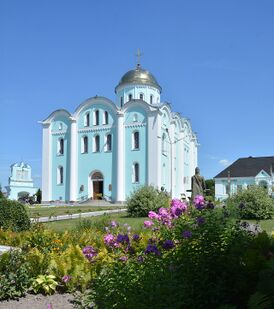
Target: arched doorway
97, 183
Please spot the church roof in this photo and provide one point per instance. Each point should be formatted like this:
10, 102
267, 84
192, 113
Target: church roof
248, 167
138, 76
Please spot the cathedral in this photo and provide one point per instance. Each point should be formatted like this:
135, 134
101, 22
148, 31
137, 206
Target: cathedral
106, 150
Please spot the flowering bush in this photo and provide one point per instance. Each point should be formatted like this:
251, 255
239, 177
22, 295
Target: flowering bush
199, 256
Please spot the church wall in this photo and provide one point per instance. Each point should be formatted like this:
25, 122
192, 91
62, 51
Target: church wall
147, 91
101, 161
60, 191
135, 156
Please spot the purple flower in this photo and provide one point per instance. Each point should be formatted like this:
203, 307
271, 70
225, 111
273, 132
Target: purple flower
199, 199
109, 239
200, 220
140, 259
152, 248
168, 244
148, 223
122, 238
123, 258
49, 306
89, 252
187, 234
113, 224
136, 237
66, 278
153, 215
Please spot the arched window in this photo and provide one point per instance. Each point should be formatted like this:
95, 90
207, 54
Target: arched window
141, 96
96, 143
108, 142
60, 146
105, 117
135, 173
84, 144
135, 140
164, 150
60, 126
60, 175
96, 118
151, 99
87, 120
130, 97
121, 101
135, 117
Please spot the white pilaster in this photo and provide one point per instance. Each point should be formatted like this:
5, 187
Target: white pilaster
46, 164
172, 161
120, 158
181, 163
73, 160
159, 152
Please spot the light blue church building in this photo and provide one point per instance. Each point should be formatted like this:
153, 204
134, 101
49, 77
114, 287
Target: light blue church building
107, 149
20, 181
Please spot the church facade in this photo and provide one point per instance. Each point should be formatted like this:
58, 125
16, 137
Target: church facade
107, 149
20, 181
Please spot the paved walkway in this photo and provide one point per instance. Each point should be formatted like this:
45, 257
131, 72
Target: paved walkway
78, 215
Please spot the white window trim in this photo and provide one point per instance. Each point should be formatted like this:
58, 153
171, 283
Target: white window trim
106, 143
86, 122
59, 168
83, 144
94, 143
133, 173
133, 140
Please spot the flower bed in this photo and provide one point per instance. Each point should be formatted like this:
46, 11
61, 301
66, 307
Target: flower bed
185, 257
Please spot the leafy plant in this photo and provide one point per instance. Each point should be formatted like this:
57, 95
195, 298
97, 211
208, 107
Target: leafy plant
45, 284
14, 275
146, 199
252, 203
13, 216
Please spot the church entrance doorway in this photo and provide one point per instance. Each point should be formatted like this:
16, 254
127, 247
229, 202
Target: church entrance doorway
97, 181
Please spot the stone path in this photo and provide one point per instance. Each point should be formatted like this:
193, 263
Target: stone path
39, 301
78, 215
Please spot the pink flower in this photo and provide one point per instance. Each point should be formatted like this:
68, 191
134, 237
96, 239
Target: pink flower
113, 223
148, 223
153, 215
49, 306
109, 239
199, 199
66, 278
163, 211
177, 208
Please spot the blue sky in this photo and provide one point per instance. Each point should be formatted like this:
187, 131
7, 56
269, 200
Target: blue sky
213, 59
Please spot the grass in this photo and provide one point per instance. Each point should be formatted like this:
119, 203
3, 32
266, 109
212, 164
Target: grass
266, 225
121, 218
52, 211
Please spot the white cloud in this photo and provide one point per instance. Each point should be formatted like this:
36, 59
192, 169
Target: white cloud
224, 162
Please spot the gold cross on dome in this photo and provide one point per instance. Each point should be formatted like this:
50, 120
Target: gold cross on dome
138, 55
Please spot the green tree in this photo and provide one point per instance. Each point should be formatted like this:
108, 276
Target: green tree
38, 196
210, 186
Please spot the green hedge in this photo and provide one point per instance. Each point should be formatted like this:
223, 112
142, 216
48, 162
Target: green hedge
145, 199
252, 203
13, 216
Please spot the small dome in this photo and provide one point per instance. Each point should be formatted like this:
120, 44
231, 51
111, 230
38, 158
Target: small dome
139, 76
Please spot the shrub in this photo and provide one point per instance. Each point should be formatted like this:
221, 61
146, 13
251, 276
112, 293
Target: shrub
13, 216
14, 275
146, 199
185, 252
252, 203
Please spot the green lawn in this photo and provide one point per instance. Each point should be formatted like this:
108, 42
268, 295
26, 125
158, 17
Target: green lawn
46, 211
121, 218
266, 225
